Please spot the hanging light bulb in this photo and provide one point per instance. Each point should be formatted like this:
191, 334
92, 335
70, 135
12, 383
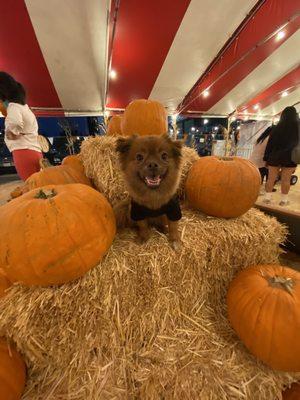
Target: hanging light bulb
280, 35
113, 74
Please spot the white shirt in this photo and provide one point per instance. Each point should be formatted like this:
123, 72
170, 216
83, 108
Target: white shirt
21, 121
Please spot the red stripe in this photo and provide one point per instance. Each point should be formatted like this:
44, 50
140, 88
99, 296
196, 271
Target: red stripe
21, 55
225, 75
48, 113
289, 82
144, 34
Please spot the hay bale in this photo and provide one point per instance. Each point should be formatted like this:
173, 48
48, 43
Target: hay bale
148, 323
101, 165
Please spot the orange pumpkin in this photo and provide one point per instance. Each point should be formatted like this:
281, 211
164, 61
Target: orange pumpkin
293, 393
74, 161
12, 372
224, 187
264, 309
18, 191
3, 109
53, 235
114, 126
59, 175
4, 283
144, 117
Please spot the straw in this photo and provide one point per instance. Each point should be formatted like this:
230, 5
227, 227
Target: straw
148, 323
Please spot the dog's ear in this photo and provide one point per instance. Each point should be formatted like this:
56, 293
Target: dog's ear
176, 145
123, 144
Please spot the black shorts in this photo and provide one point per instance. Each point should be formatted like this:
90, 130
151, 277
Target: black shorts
287, 164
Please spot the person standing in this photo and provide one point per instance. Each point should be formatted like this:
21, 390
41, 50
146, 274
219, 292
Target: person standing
258, 153
278, 155
21, 128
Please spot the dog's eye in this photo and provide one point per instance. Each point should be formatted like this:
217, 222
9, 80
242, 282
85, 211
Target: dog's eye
139, 157
164, 156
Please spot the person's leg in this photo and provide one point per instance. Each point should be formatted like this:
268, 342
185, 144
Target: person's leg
272, 175
26, 162
286, 174
262, 174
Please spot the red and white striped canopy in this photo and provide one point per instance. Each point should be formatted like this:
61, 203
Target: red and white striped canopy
195, 56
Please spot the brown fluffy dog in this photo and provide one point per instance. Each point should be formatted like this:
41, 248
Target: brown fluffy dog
152, 167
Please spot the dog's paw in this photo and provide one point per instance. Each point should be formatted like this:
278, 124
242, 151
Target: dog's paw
176, 245
162, 229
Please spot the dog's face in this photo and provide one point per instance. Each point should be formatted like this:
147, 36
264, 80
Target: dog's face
150, 164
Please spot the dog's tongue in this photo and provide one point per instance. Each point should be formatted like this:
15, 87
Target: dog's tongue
153, 181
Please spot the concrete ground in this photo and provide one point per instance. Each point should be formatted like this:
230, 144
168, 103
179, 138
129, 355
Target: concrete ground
7, 184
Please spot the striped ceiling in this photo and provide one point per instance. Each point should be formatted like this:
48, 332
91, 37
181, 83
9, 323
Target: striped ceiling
195, 56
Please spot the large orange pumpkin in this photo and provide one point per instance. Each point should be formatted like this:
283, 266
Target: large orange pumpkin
12, 372
264, 309
4, 283
114, 126
62, 174
222, 187
53, 235
144, 117
293, 393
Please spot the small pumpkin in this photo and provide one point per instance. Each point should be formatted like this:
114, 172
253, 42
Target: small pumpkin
114, 126
144, 117
223, 187
59, 233
293, 393
4, 283
74, 161
18, 191
264, 310
12, 372
3, 109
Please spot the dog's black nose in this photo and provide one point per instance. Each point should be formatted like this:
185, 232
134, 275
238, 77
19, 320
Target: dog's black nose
152, 165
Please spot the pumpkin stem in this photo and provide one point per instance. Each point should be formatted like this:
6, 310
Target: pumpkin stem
45, 194
281, 282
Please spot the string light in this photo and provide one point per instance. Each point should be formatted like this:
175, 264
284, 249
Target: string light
284, 94
113, 74
205, 121
193, 129
256, 107
280, 35
206, 93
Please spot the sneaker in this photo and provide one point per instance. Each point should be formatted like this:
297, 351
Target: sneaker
267, 201
284, 203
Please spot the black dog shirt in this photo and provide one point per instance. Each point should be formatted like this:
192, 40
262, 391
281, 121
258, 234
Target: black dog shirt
171, 210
